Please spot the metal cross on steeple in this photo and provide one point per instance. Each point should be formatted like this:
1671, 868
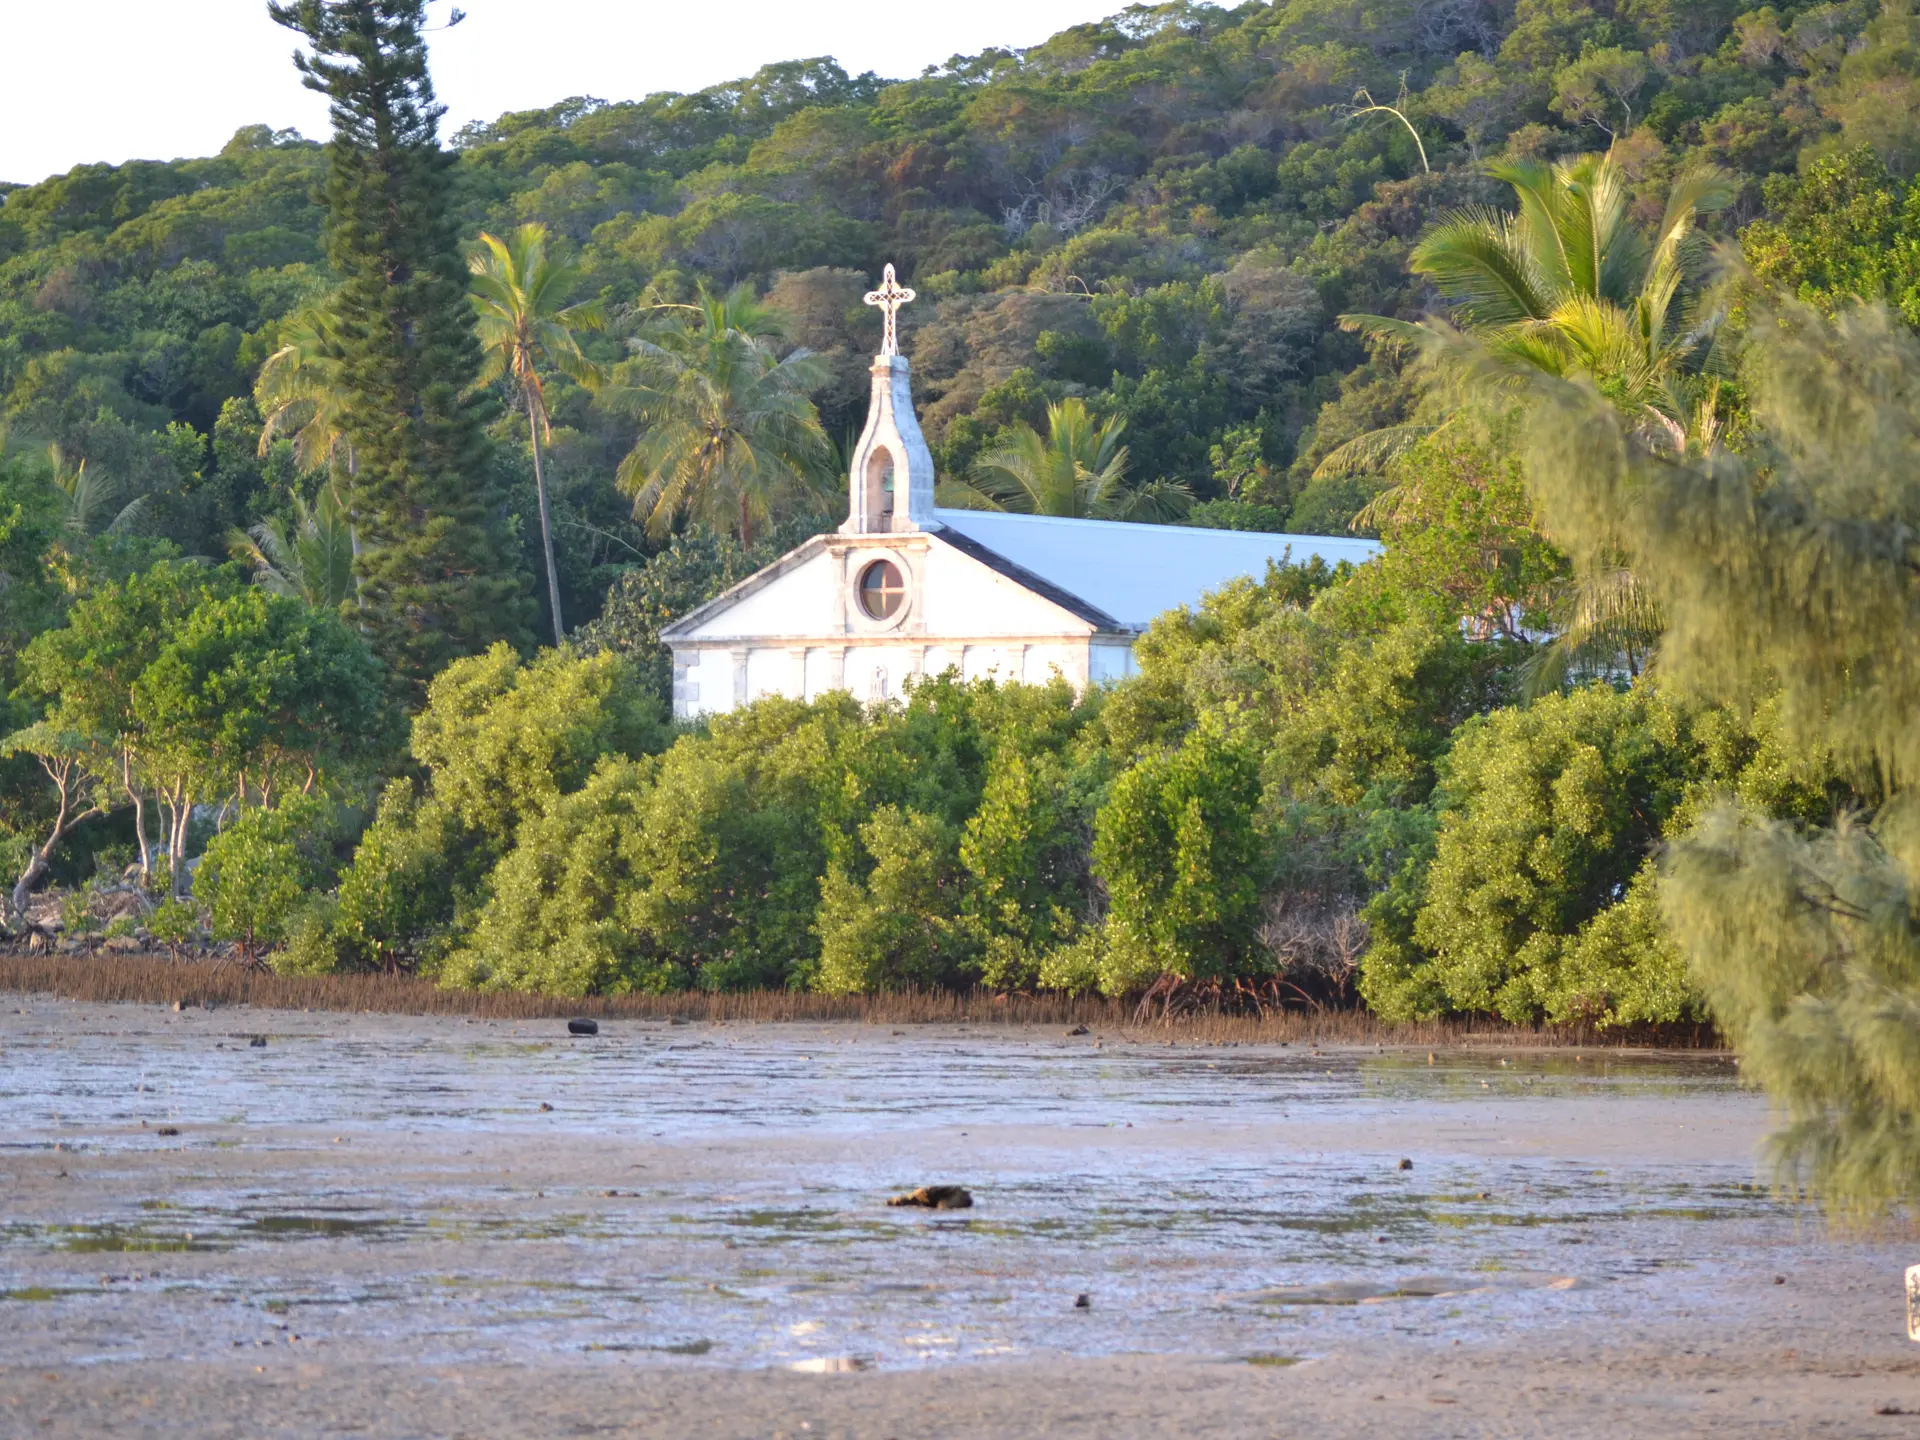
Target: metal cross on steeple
890, 297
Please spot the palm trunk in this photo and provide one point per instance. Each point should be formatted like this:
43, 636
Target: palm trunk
746, 525
546, 525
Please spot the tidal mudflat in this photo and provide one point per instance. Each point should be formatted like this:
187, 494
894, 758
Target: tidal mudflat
263, 1223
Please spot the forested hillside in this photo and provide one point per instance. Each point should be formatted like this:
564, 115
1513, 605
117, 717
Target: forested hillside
1163, 212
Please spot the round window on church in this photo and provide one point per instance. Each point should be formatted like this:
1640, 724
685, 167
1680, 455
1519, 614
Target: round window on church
882, 591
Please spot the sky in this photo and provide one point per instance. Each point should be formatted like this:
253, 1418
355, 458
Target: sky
117, 80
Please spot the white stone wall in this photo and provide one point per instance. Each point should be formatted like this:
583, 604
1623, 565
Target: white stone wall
798, 630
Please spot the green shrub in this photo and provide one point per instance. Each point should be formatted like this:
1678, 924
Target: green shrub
174, 923
553, 917
312, 946
1548, 814
1077, 966
398, 895
501, 740
1179, 851
1024, 853
257, 872
897, 927
76, 913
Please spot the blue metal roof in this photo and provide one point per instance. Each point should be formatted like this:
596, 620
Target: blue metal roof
1133, 572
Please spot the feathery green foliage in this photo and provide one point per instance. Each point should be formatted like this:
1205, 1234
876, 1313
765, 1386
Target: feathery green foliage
1791, 568
1077, 469
310, 560
301, 395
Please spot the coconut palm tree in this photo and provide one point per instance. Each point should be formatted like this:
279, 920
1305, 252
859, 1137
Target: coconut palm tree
91, 500
311, 560
1568, 286
1078, 469
520, 289
299, 393
727, 431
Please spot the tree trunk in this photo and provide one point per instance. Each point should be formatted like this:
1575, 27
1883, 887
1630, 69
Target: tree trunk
30, 877
179, 816
139, 799
63, 821
746, 525
546, 525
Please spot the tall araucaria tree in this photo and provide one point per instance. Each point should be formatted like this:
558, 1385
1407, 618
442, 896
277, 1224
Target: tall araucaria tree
437, 569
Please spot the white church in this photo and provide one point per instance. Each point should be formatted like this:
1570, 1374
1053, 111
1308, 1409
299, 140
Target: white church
905, 588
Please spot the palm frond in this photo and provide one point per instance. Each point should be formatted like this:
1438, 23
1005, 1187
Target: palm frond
1397, 334
1480, 261
1607, 622
963, 495
1369, 453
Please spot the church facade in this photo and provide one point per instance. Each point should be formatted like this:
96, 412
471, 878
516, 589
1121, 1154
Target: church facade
905, 588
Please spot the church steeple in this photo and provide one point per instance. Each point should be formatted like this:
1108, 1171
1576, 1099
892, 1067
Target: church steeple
890, 482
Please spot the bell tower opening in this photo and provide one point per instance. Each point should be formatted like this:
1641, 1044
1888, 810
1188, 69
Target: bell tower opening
880, 489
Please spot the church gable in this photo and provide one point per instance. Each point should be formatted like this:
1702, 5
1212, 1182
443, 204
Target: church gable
796, 595
971, 591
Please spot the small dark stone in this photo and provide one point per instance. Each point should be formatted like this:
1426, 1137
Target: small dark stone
935, 1197
1083, 1302
167, 1130
258, 1042
1406, 1164
1079, 1030
583, 1027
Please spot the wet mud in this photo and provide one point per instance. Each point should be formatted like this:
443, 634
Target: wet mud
368, 1209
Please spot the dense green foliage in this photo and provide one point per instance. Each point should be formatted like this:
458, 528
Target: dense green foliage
258, 872
1158, 213
1617, 730
1538, 898
498, 741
